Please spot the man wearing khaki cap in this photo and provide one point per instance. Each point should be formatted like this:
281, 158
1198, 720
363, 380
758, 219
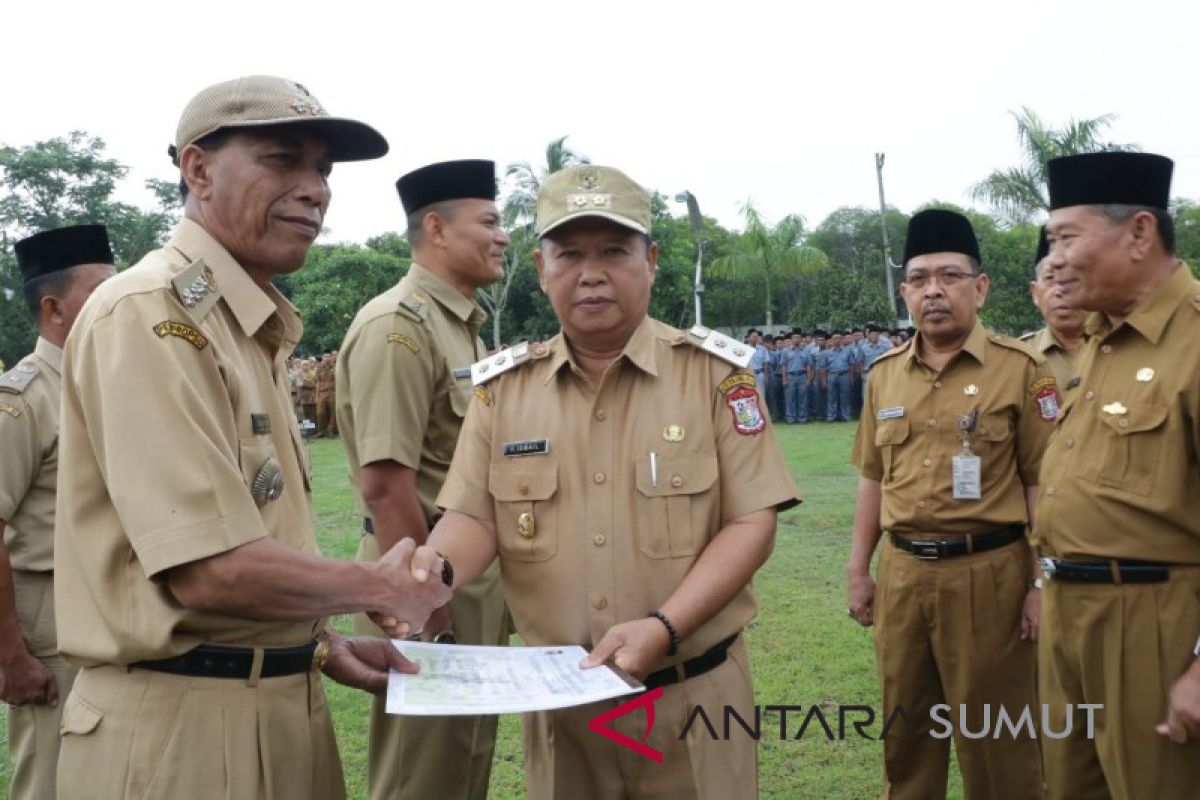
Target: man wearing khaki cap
60, 269
403, 387
189, 588
1117, 525
628, 478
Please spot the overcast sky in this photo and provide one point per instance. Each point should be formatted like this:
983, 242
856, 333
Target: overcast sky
785, 103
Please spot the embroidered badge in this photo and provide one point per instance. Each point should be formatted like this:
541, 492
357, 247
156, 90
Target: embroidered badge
1040, 385
12, 411
407, 341
890, 413
734, 381
1047, 400
747, 416
186, 332
484, 395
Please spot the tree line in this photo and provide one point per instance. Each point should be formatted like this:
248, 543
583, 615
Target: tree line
782, 272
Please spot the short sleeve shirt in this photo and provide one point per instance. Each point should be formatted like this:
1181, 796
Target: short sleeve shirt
909, 433
29, 457
590, 534
1060, 360
167, 420
404, 380
1121, 477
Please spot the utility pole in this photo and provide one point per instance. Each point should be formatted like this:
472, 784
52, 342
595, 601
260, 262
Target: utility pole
888, 266
697, 222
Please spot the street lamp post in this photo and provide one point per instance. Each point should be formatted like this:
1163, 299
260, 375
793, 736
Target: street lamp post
697, 228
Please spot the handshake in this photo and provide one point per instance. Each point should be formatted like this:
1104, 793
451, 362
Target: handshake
420, 581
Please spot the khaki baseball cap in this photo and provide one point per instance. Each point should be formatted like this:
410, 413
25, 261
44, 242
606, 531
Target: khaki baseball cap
591, 191
257, 101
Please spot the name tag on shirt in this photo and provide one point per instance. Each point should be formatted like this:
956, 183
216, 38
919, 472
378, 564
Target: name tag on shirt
528, 447
890, 413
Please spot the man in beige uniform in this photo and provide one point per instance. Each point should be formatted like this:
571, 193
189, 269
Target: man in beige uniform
188, 584
1062, 336
60, 269
404, 384
326, 401
1118, 523
949, 445
628, 478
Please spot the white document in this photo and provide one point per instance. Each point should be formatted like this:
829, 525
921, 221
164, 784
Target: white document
468, 679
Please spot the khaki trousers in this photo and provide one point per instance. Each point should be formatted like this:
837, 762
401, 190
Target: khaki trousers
1122, 646
567, 761
446, 758
135, 733
948, 631
33, 729
326, 417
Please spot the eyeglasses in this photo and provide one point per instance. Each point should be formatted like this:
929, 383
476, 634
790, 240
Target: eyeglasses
945, 278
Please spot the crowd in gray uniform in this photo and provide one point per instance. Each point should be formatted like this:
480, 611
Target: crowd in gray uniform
819, 376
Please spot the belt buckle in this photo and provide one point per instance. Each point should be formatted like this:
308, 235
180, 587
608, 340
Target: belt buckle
1049, 566
926, 551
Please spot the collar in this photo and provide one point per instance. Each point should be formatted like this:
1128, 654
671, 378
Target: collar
251, 305
50, 353
462, 307
1044, 341
639, 350
1151, 318
975, 346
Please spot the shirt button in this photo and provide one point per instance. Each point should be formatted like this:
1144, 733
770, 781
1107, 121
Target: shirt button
601, 416
599, 540
928, 462
677, 481
1089, 395
1070, 443
600, 603
598, 477
937, 384
1123, 423
932, 422
921, 504
523, 490
1106, 348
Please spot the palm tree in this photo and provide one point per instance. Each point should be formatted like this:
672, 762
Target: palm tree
1018, 194
769, 253
517, 214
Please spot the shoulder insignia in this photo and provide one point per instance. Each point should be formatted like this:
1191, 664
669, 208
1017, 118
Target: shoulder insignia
196, 288
17, 379
735, 380
723, 347
182, 330
483, 371
407, 341
11, 410
893, 352
483, 394
416, 304
1009, 343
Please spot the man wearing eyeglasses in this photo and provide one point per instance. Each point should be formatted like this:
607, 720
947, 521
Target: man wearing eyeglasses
949, 445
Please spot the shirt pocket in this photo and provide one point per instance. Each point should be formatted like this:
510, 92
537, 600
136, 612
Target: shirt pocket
1132, 445
673, 516
526, 514
890, 434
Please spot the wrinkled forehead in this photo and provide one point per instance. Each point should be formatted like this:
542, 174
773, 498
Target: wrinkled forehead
932, 262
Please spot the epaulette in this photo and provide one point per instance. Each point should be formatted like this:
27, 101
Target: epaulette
895, 351
196, 287
723, 347
1010, 343
17, 379
498, 364
415, 306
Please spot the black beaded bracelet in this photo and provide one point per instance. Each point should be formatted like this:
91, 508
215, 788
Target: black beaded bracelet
673, 648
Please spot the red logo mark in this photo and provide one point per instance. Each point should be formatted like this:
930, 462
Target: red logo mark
599, 724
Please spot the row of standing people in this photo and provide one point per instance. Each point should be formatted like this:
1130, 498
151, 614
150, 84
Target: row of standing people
314, 392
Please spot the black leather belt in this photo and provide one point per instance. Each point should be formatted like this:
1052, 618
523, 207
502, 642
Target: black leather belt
1117, 570
219, 661
368, 525
949, 548
710, 659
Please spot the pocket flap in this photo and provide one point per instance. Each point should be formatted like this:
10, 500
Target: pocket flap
79, 716
513, 483
1138, 418
891, 431
993, 427
677, 476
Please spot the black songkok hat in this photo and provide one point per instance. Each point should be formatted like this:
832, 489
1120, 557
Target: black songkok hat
1043, 248
1092, 179
62, 248
447, 180
936, 230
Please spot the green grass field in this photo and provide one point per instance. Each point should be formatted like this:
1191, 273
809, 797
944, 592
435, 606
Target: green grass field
804, 649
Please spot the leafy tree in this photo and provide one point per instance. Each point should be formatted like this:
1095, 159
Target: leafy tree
1018, 194
521, 203
852, 239
768, 255
838, 298
1187, 232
